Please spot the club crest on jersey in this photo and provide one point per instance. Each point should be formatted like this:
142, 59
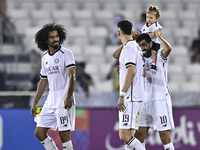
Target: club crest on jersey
56, 60
151, 29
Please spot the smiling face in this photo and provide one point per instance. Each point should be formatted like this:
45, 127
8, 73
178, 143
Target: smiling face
146, 48
53, 40
151, 17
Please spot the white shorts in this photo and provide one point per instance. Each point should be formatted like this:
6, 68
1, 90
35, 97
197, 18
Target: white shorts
157, 114
129, 119
60, 118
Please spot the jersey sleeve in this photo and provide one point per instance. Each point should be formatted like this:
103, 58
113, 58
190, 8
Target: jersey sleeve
69, 60
43, 73
158, 26
130, 59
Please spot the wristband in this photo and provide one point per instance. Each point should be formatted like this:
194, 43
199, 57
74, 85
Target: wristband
35, 102
122, 93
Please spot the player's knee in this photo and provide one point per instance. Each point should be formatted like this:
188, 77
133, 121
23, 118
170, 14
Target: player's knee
165, 138
140, 136
124, 136
40, 135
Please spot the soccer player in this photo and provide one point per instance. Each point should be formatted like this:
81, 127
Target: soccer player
151, 25
58, 70
131, 86
156, 109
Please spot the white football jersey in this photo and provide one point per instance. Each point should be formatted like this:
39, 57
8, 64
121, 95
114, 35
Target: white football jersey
156, 82
149, 29
131, 56
54, 69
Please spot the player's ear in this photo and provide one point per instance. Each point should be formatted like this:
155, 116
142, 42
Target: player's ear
151, 44
118, 32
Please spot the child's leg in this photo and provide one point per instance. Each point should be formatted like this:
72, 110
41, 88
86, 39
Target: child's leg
154, 60
154, 56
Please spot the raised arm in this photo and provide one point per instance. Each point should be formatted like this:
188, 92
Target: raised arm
166, 46
116, 54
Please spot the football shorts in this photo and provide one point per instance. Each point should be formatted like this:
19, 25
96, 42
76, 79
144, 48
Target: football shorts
129, 118
60, 118
157, 114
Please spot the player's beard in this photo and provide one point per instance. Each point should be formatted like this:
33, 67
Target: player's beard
147, 52
55, 46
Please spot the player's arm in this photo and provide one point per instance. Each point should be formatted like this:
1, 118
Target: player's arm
40, 90
128, 80
72, 78
166, 46
117, 53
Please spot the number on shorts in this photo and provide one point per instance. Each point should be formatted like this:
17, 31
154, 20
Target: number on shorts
63, 119
125, 118
163, 119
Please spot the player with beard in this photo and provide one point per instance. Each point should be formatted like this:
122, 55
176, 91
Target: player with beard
156, 109
58, 70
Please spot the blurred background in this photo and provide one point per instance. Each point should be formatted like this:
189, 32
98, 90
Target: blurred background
91, 36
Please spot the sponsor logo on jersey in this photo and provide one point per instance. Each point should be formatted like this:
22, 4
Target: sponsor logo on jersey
52, 70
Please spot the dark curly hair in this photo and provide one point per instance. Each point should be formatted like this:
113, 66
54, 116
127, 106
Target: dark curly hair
42, 35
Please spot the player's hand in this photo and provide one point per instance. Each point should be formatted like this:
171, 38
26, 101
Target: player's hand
68, 103
121, 106
152, 35
158, 32
135, 34
117, 69
33, 109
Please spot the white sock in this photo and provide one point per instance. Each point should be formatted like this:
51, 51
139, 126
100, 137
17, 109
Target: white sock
134, 143
49, 144
169, 146
67, 145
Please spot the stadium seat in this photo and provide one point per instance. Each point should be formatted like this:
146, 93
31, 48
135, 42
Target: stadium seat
176, 69
173, 5
76, 50
179, 50
19, 14
104, 86
190, 87
9, 49
28, 5
195, 5
91, 5
61, 14
22, 58
114, 6
192, 69
128, 14
132, 6
7, 58
190, 23
168, 15
48, 5
104, 70
68, 5
98, 35
103, 17
40, 17
174, 87
93, 50
92, 69
187, 15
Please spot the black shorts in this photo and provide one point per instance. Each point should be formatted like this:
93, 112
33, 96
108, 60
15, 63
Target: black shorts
155, 46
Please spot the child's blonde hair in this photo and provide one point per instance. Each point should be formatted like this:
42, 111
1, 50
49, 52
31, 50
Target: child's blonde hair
154, 9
